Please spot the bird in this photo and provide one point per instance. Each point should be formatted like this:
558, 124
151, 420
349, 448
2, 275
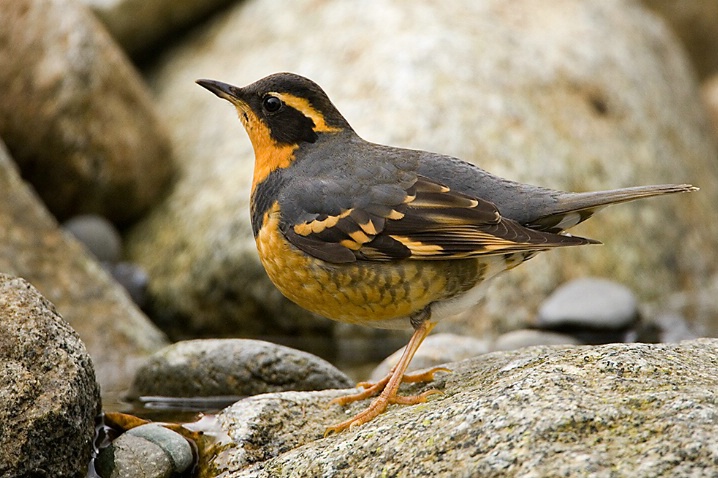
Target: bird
383, 236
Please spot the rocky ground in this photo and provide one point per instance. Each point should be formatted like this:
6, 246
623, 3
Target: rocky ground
124, 227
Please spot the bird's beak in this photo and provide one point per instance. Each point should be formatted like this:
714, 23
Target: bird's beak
225, 91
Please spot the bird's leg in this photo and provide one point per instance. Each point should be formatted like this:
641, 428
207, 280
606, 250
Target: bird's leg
390, 383
374, 388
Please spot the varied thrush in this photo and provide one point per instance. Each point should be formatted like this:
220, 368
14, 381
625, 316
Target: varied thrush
382, 236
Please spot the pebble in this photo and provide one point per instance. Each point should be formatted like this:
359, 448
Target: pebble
232, 367
132, 277
589, 303
147, 451
98, 235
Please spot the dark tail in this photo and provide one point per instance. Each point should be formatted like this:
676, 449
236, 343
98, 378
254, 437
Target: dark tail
573, 208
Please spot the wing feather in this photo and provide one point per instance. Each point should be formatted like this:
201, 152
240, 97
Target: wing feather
425, 221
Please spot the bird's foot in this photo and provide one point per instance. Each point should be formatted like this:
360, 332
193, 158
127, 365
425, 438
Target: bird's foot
375, 388
377, 407
387, 397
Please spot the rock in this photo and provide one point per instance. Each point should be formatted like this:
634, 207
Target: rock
75, 114
117, 335
671, 313
436, 349
672, 328
589, 303
646, 409
48, 393
518, 339
532, 108
132, 277
709, 94
97, 234
139, 25
148, 451
696, 24
240, 367
133, 456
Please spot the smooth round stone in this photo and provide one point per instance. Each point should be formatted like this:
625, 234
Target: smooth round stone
97, 234
134, 456
174, 445
589, 302
233, 367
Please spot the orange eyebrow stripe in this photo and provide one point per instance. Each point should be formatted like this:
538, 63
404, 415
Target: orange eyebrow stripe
303, 106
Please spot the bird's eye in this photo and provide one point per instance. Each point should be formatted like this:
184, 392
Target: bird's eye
271, 103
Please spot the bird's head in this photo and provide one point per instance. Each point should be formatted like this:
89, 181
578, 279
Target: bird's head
282, 109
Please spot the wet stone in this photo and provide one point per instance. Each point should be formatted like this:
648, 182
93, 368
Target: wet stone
239, 367
132, 456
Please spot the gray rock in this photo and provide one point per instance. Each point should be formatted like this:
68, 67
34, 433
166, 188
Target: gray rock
643, 409
239, 367
591, 303
132, 277
117, 335
709, 93
538, 97
436, 350
131, 456
76, 115
97, 234
48, 393
139, 25
175, 445
518, 339
673, 328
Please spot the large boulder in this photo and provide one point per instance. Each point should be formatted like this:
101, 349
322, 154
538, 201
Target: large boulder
117, 334
532, 91
75, 114
140, 25
696, 24
646, 410
48, 394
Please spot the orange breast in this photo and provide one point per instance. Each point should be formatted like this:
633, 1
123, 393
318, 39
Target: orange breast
363, 292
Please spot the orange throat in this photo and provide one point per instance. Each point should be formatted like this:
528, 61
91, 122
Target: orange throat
268, 154
268, 158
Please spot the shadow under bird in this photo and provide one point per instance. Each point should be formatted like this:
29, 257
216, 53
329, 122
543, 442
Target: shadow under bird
387, 237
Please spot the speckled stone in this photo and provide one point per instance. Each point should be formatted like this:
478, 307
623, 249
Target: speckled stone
643, 409
116, 333
174, 445
239, 367
48, 393
131, 456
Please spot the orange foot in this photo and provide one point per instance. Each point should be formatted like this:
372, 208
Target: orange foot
389, 386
